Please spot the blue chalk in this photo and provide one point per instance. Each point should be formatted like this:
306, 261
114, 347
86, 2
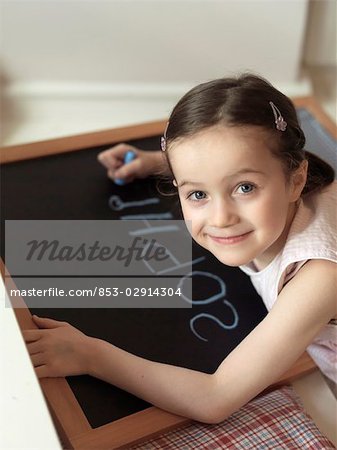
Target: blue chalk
128, 157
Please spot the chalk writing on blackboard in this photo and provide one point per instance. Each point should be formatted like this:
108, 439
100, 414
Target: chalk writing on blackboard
173, 263
117, 204
150, 229
210, 299
157, 216
207, 301
216, 320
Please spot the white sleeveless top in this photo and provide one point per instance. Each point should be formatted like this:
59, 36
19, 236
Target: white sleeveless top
313, 235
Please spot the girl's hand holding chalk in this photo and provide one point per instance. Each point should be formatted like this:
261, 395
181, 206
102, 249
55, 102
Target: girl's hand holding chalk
129, 156
124, 163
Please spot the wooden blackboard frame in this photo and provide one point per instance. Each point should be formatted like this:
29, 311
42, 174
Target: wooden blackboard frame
69, 418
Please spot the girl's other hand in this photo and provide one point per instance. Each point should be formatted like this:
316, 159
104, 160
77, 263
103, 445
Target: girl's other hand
145, 163
57, 349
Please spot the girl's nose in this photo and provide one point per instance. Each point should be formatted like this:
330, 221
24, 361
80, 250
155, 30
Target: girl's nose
224, 214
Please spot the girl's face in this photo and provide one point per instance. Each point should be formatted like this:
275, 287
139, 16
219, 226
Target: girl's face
235, 193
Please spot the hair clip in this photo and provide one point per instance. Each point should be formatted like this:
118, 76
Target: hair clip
163, 139
281, 124
163, 144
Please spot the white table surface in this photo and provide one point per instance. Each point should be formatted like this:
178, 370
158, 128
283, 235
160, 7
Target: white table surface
25, 422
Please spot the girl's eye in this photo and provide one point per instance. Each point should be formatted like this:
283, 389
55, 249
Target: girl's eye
246, 188
197, 195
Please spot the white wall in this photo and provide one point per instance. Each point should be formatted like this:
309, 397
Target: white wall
321, 37
76, 66
151, 41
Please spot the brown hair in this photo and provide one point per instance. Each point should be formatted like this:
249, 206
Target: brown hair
244, 101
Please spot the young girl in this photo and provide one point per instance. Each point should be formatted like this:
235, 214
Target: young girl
256, 200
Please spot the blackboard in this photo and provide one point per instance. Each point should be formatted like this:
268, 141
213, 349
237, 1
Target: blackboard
74, 186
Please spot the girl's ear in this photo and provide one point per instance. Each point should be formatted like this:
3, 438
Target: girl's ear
298, 180
174, 183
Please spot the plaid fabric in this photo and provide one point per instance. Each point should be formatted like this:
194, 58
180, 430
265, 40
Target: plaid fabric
270, 422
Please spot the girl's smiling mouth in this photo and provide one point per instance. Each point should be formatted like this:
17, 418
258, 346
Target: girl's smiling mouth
230, 239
